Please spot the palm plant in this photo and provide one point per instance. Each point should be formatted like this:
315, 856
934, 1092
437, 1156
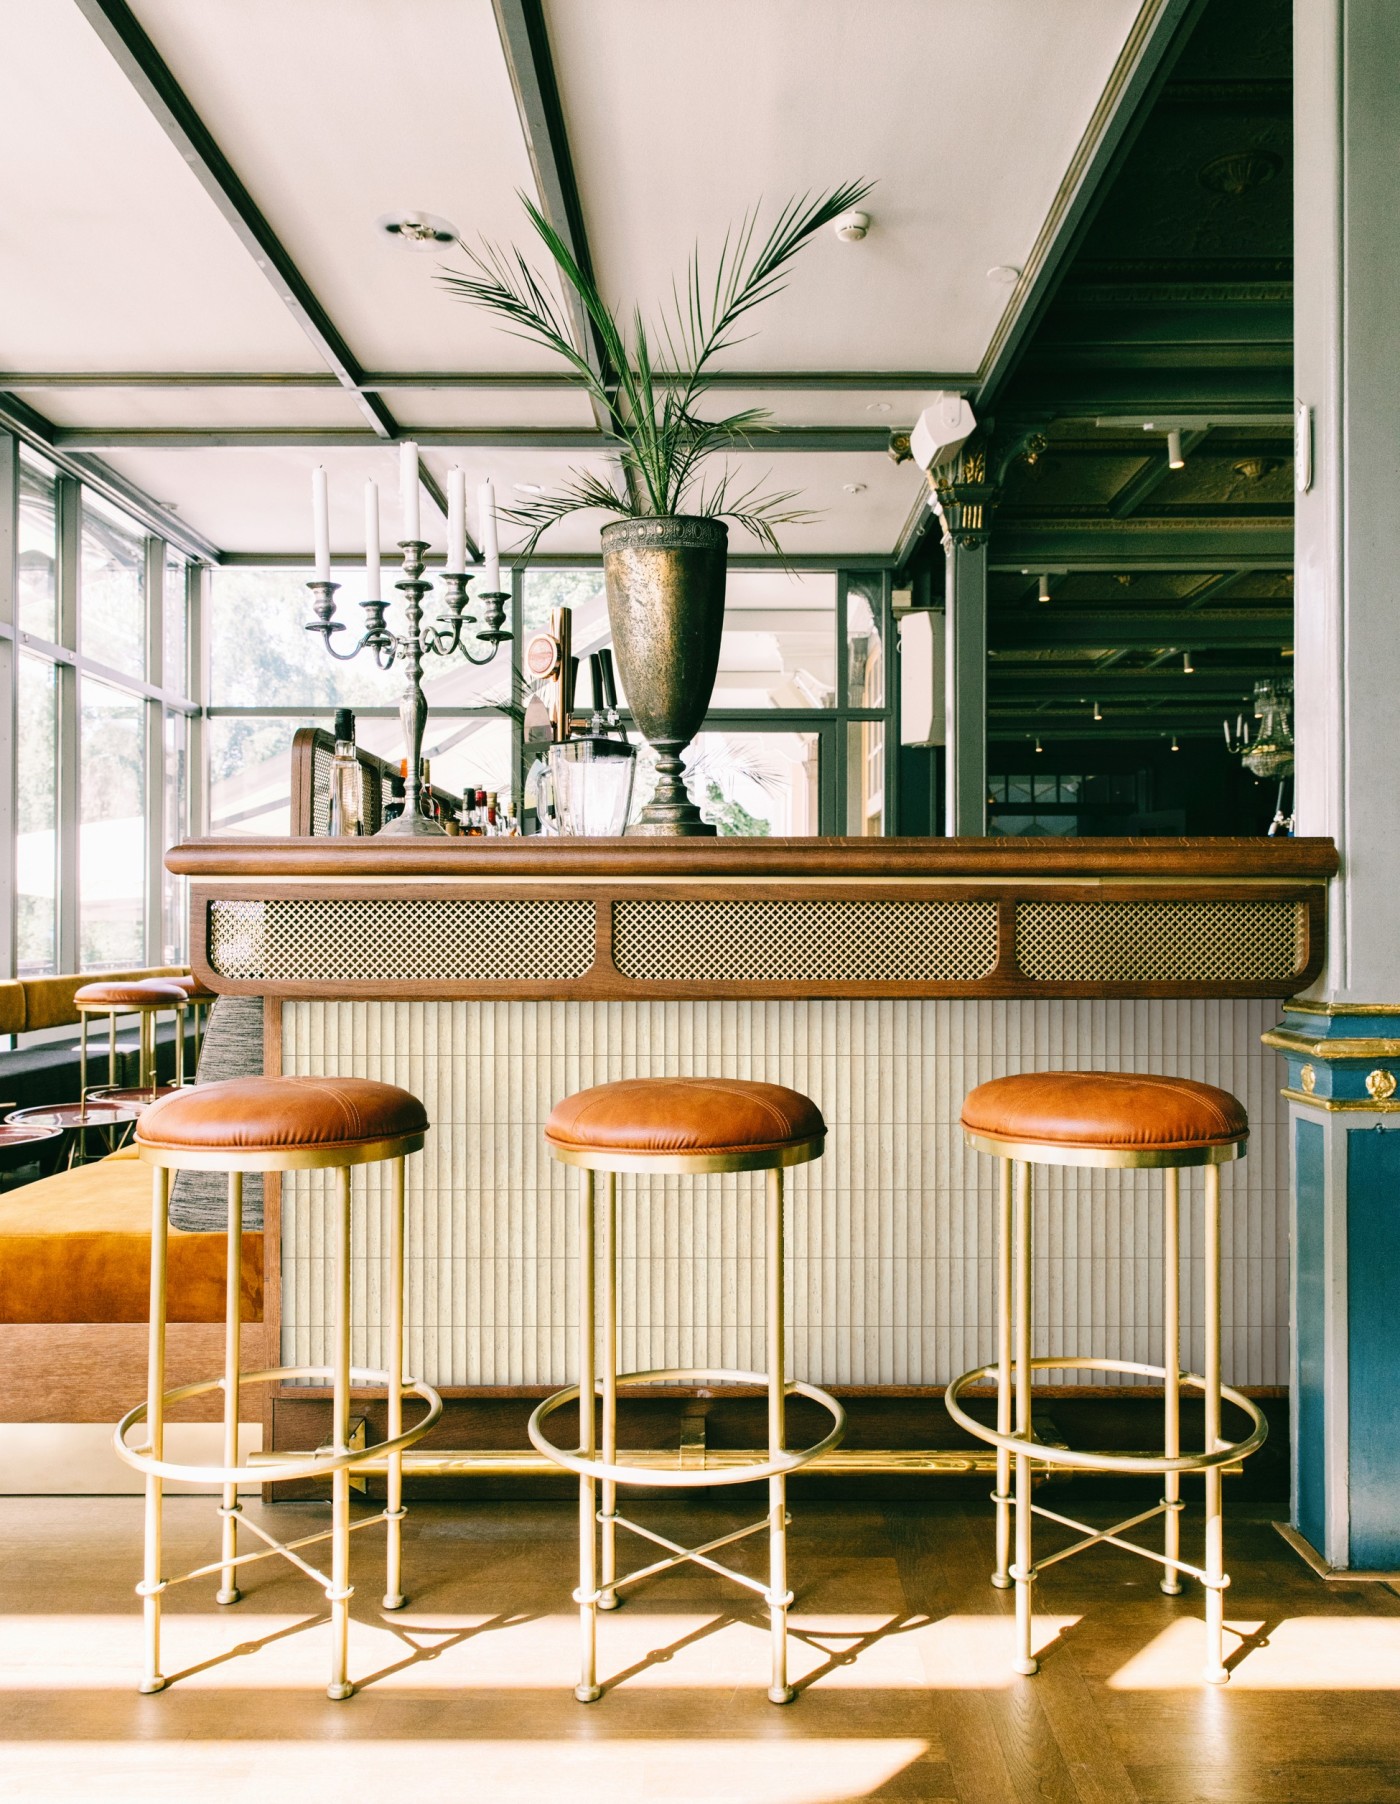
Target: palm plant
661, 439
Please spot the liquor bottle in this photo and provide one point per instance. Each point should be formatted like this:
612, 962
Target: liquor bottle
426, 804
346, 816
493, 821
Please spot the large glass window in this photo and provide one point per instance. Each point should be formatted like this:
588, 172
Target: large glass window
779, 645
38, 548
112, 594
112, 827
175, 651
177, 826
36, 853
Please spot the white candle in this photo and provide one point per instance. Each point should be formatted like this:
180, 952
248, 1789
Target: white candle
456, 519
321, 523
372, 541
408, 486
490, 545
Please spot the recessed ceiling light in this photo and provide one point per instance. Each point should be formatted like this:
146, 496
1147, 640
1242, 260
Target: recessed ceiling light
1004, 274
877, 406
530, 488
854, 488
850, 228
417, 230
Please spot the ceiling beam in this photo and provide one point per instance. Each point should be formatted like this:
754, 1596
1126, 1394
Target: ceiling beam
1048, 630
524, 39
1156, 37
33, 429
1048, 388
1146, 685
1121, 546
1031, 727
581, 560
802, 381
166, 101
1145, 483
537, 438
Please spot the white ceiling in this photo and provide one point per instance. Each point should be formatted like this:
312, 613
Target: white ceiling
113, 258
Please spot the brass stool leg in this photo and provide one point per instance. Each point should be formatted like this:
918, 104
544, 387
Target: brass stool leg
779, 1597
151, 1585
586, 1597
111, 1046
82, 1058
607, 1515
180, 1045
145, 1059
1001, 1577
1025, 1661
339, 1593
394, 1598
1215, 1672
228, 1592
1171, 1360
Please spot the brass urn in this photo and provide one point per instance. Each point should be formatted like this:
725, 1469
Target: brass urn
665, 586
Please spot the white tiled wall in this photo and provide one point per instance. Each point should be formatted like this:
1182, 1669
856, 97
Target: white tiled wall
891, 1237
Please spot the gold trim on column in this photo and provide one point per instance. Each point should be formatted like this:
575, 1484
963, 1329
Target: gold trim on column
1336, 1105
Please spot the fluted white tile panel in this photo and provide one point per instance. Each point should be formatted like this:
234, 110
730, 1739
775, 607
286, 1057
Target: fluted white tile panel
891, 1237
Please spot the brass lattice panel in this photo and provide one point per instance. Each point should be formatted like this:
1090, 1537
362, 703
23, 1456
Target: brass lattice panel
805, 942
384, 939
1161, 942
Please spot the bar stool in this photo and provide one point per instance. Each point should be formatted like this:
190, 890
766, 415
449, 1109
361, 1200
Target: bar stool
1128, 1121
279, 1124
655, 1126
144, 997
200, 999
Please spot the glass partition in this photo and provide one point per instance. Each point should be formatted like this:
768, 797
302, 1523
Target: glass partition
36, 850
38, 548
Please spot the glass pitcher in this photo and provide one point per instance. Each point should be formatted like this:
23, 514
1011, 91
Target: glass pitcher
587, 789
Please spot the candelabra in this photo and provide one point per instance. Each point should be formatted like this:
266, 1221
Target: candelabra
441, 638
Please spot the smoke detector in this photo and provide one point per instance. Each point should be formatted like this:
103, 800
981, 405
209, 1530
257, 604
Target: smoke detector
418, 230
850, 228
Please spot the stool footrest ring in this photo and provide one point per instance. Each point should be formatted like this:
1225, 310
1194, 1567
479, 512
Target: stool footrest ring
686, 1478
276, 1471
1108, 1462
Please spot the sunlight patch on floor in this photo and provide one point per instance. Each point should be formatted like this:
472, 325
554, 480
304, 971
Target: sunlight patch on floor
524, 1771
1301, 1653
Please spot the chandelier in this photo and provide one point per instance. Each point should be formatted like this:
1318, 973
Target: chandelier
1267, 750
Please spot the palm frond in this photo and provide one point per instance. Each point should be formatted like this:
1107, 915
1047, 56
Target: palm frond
659, 435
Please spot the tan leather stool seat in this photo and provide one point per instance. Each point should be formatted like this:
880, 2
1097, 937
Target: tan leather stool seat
685, 1115
267, 1114
146, 992
1105, 1109
193, 988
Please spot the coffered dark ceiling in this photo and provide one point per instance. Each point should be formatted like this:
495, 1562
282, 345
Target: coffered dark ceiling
1175, 310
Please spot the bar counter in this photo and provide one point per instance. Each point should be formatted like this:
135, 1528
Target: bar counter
884, 978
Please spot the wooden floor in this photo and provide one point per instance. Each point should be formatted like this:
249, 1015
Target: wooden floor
900, 1646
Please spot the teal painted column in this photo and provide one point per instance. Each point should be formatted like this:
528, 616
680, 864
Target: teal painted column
1341, 1043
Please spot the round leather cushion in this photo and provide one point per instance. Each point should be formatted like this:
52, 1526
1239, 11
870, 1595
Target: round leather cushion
143, 992
193, 988
277, 1112
684, 1115
1105, 1109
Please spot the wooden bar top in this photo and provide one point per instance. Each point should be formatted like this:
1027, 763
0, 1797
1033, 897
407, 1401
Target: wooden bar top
1187, 860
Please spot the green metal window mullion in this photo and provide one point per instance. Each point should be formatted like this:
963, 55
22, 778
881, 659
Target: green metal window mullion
517, 689
892, 701
68, 498
155, 754
833, 783
9, 701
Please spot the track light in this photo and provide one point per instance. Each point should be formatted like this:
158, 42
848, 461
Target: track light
1175, 746
1187, 665
1038, 746
1098, 712
1043, 592
1175, 460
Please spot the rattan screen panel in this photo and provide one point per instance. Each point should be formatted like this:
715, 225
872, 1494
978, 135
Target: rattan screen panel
805, 942
370, 793
1161, 942
388, 940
